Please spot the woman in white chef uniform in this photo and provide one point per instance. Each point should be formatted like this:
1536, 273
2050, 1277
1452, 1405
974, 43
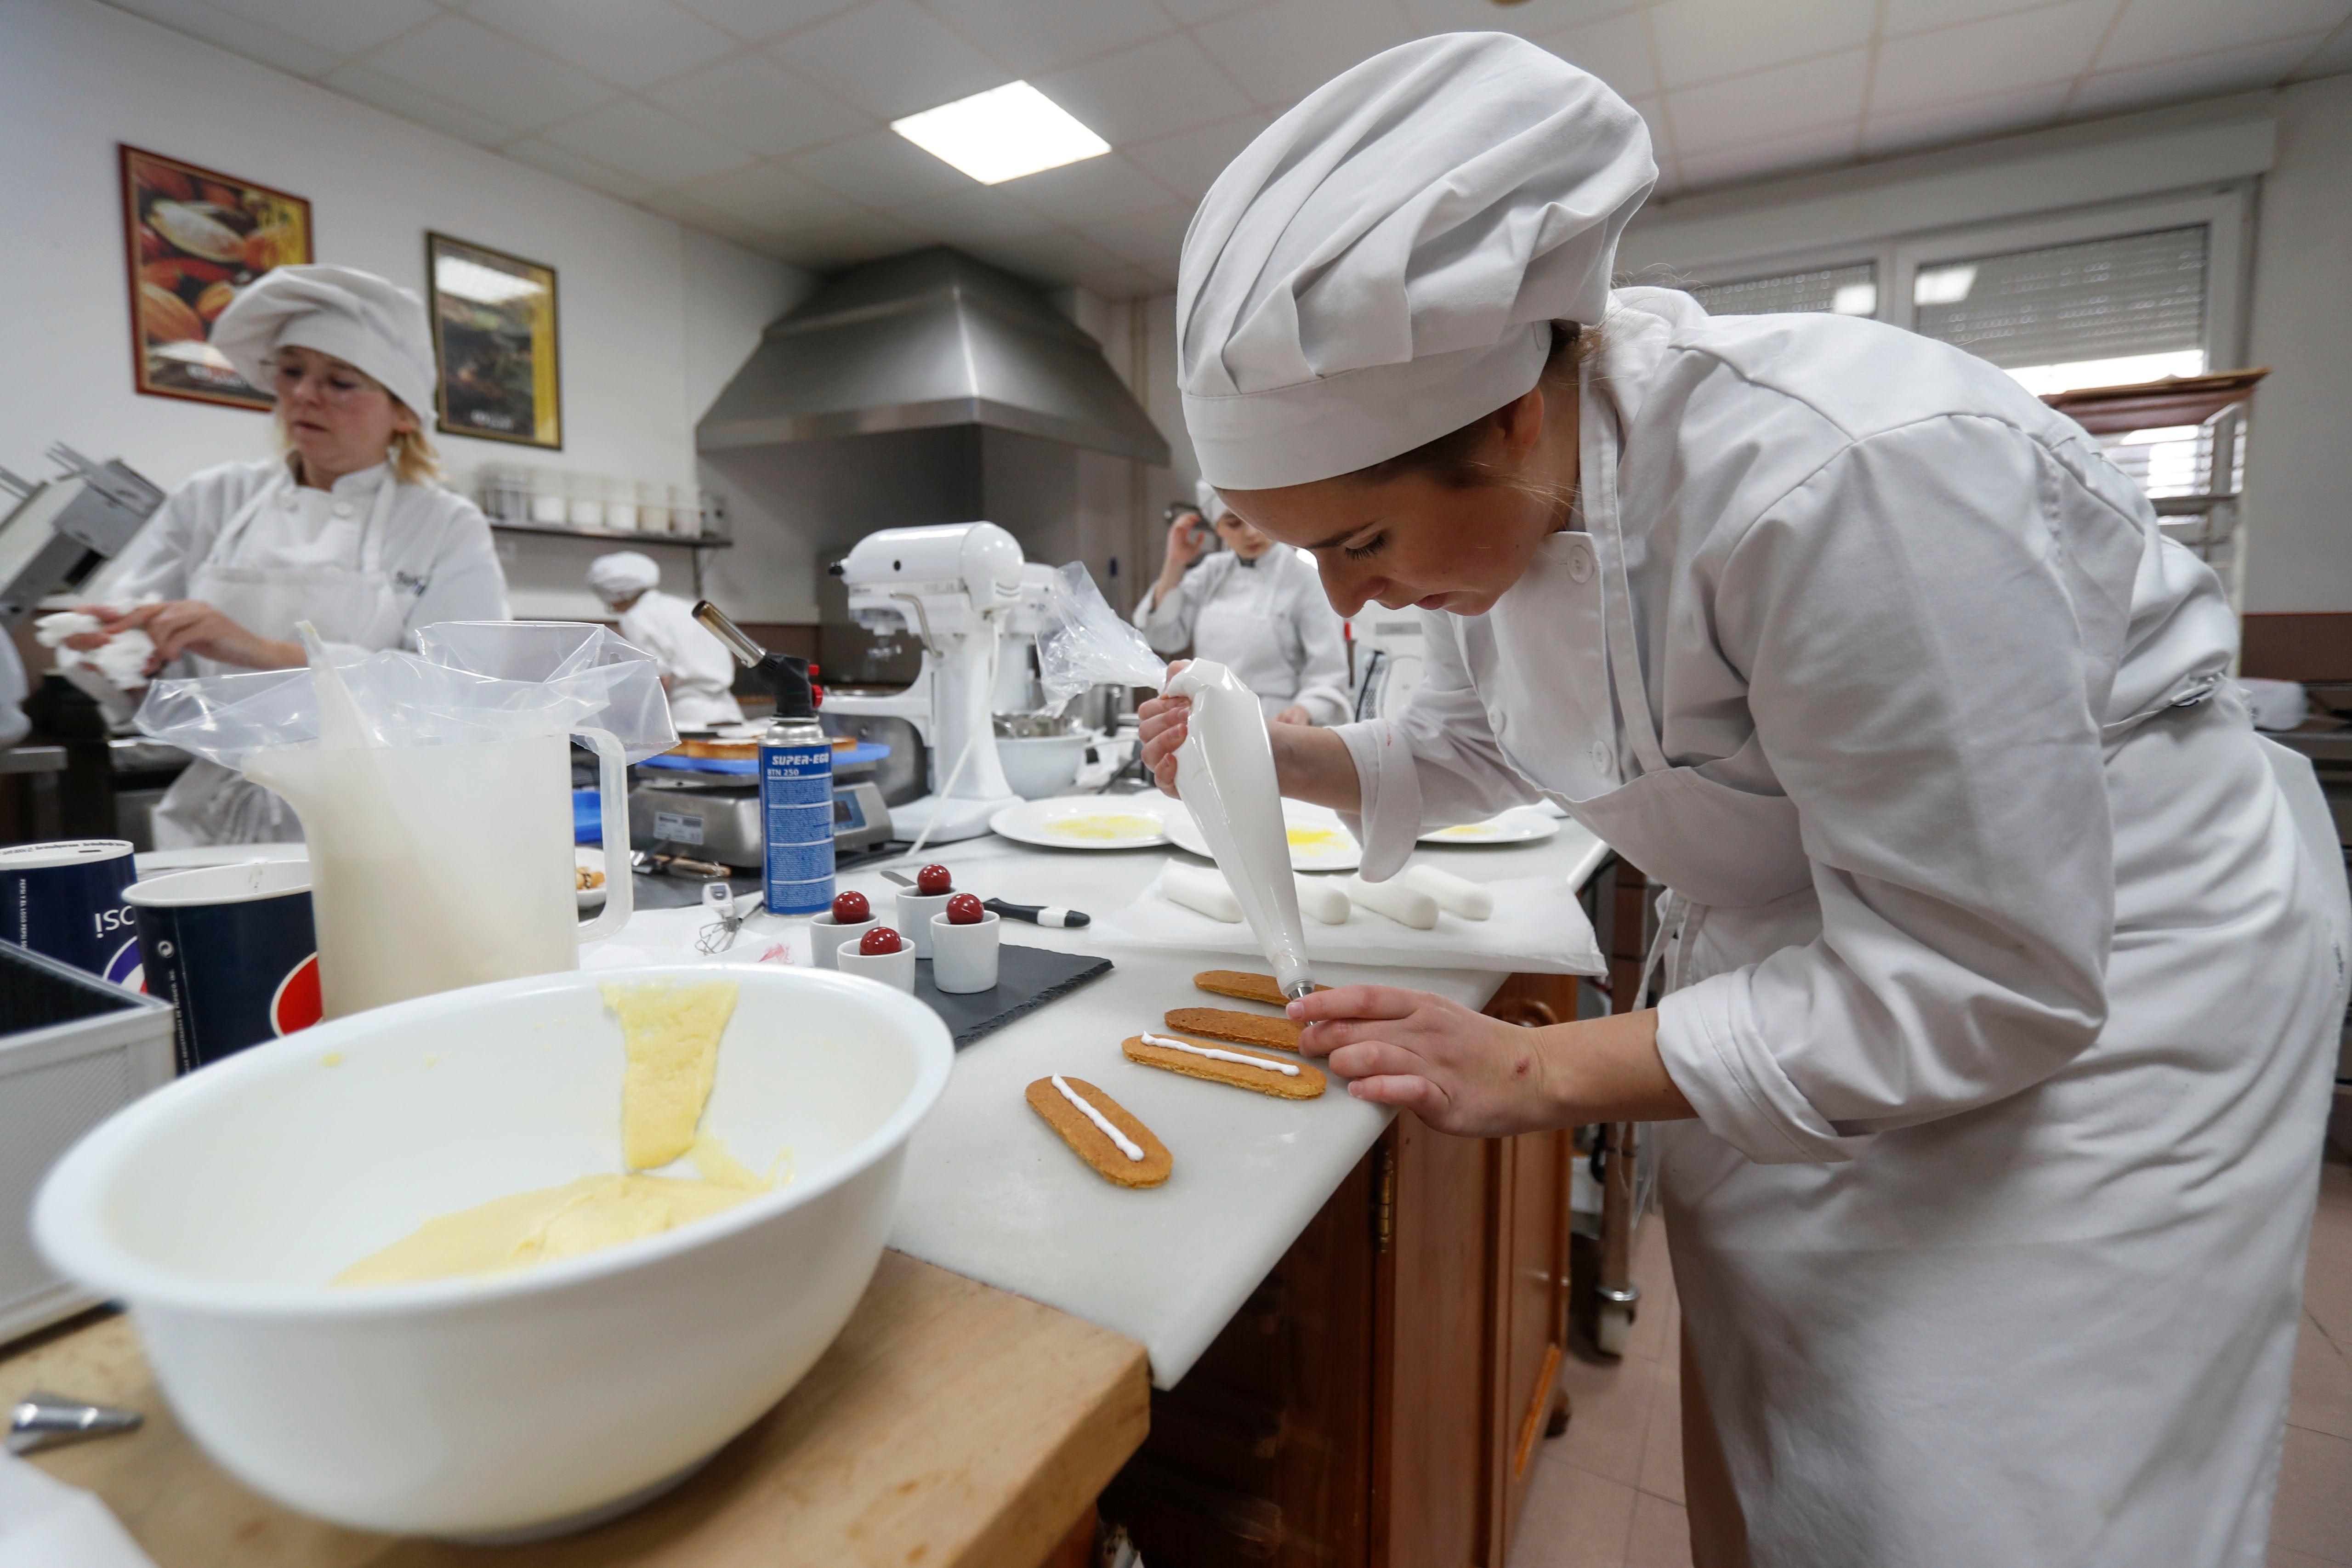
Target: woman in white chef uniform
2000, 983
1255, 607
696, 670
348, 530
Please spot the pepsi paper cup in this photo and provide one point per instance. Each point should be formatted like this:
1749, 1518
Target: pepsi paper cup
66, 899
232, 948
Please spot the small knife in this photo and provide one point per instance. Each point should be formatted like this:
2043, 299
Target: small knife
1038, 914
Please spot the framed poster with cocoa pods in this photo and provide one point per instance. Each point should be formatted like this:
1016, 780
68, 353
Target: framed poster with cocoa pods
196, 238
493, 335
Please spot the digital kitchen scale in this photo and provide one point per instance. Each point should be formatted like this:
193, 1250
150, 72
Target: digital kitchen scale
707, 808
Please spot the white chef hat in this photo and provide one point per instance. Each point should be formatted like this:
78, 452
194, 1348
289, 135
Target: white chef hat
1212, 505
1382, 265
623, 573
364, 321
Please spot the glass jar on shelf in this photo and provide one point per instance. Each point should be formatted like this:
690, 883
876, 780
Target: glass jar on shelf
548, 501
621, 504
686, 511
587, 501
653, 507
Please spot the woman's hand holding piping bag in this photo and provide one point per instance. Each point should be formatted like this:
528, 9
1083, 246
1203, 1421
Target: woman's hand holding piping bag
1309, 763
1465, 1073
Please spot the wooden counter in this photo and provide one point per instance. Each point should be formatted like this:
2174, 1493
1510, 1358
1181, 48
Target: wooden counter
951, 1425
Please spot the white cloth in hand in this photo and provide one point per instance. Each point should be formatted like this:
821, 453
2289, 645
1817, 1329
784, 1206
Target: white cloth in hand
45, 1523
122, 659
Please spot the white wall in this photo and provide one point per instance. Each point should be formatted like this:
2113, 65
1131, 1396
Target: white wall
2299, 465
654, 317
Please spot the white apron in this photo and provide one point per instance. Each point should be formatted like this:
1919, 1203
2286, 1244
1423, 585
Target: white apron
2053, 1330
208, 804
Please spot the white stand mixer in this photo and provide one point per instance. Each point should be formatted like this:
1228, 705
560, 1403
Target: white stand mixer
951, 586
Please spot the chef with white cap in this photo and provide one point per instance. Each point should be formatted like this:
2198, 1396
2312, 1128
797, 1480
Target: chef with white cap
349, 530
1253, 606
696, 670
2000, 986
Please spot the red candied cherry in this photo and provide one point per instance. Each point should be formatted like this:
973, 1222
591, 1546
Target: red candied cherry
881, 940
966, 910
933, 880
850, 909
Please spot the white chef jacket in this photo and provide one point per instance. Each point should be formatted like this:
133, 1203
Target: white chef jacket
1268, 621
700, 670
1991, 1230
436, 549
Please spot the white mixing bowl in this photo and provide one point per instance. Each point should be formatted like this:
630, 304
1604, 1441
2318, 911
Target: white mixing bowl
1038, 765
217, 1209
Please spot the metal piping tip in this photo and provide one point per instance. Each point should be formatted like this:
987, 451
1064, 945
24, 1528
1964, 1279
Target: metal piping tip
48, 1420
1298, 988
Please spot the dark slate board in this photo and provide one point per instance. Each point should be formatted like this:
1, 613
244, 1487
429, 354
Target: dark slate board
1026, 979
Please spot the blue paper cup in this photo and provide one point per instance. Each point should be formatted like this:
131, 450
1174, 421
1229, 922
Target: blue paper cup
232, 948
66, 899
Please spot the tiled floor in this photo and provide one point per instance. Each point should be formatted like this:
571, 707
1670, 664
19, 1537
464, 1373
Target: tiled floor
1609, 1492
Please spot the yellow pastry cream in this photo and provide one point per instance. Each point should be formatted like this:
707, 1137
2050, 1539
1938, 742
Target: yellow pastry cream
1104, 826
672, 1035
1320, 840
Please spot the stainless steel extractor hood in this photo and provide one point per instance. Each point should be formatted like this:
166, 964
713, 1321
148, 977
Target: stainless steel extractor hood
924, 340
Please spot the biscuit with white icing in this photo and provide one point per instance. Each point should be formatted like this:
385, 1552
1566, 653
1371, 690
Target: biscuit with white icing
1241, 1028
1282, 1079
1059, 1105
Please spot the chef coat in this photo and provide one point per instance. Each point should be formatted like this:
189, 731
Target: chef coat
1267, 621
701, 671
368, 561
2004, 987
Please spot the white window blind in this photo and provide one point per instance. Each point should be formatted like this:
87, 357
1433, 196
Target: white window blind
2133, 296
1846, 290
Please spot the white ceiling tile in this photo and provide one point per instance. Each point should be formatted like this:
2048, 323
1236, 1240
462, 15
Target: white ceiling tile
1281, 52
2153, 30
653, 144
1768, 159
200, 19
1190, 164
982, 213
1034, 36
866, 238
1527, 18
1151, 239
879, 169
2173, 81
2333, 56
1091, 189
465, 63
890, 57
772, 200
758, 21
630, 43
1943, 124
1907, 17
562, 162
679, 206
756, 104
1614, 49
1705, 40
1153, 90
1057, 259
417, 108
1190, 12
1767, 104
1980, 58
343, 29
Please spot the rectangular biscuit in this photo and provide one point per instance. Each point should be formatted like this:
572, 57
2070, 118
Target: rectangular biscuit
1282, 1079
1247, 986
1090, 1144
1241, 1028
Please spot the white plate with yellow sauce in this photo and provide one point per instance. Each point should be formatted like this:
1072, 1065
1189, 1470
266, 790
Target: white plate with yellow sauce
1521, 825
1319, 841
1088, 822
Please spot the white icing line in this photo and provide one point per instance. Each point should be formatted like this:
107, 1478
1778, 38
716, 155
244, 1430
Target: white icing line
1284, 1069
1126, 1146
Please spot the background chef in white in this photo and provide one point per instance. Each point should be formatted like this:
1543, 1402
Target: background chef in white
350, 530
2004, 962
1253, 606
696, 670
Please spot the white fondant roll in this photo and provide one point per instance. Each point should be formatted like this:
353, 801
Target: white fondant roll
1206, 891
1408, 906
1465, 898
1322, 899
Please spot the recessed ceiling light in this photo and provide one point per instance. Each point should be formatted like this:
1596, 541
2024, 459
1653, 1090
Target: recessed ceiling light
1001, 134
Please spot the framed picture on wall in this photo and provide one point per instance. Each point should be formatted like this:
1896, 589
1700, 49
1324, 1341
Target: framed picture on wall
195, 238
493, 335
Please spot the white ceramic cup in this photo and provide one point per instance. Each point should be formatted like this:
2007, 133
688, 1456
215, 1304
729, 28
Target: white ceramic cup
826, 935
890, 968
963, 958
915, 913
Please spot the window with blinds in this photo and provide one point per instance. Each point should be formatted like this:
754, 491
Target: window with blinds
2102, 312
1845, 290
